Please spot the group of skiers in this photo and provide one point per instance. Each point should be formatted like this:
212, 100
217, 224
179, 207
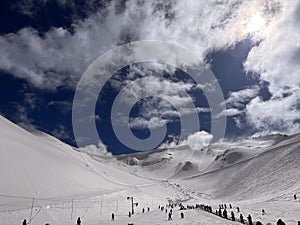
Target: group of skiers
219, 212
225, 215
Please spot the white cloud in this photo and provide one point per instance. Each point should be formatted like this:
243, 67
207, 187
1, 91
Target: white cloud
277, 60
169, 100
239, 98
196, 140
60, 56
229, 112
279, 114
99, 150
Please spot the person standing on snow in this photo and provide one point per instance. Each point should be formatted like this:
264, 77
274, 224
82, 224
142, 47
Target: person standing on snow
242, 219
24, 222
182, 215
170, 216
250, 219
232, 216
225, 213
78, 221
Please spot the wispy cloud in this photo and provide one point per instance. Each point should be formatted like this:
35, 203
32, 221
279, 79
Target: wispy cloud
60, 56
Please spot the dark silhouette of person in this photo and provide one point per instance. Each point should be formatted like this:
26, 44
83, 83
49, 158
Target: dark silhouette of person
232, 216
143, 210
170, 216
230, 206
258, 223
295, 196
280, 222
242, 219
225, 213
238, 209
298, 222
78, 221
24, 222
148, 209
129, 214
181, 215
250, 219
220, 212
112, 216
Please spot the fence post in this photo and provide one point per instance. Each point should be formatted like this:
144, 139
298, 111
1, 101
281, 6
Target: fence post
31, 210
72, 209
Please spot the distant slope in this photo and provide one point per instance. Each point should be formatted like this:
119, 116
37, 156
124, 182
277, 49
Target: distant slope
273, 172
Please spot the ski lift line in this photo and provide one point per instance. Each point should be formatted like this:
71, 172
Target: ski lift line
49, 199
57, 207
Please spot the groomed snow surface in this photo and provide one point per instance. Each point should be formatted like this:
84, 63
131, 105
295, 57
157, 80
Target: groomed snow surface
46, 181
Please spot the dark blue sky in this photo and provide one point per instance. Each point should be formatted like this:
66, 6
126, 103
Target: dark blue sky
50, 110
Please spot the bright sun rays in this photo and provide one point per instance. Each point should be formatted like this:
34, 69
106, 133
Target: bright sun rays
254, 20
255, 23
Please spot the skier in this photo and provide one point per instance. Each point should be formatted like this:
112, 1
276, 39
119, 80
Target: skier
112, 216
250, 219
230, 206
280, 222
129, 214
148, 209
225, 213
242, 219
238, 209
232, 216
263, 212
78, 221
295, 196
24, 222
170, 216
258, 223
182, 215
220, 212
143, 210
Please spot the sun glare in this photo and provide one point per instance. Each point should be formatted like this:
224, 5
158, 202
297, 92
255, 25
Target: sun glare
254, 23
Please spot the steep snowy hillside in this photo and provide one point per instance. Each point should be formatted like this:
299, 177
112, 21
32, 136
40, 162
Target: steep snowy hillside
273, 170
39, 170
45, 180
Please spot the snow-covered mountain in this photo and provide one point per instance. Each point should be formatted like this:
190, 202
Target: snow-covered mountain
45, 180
